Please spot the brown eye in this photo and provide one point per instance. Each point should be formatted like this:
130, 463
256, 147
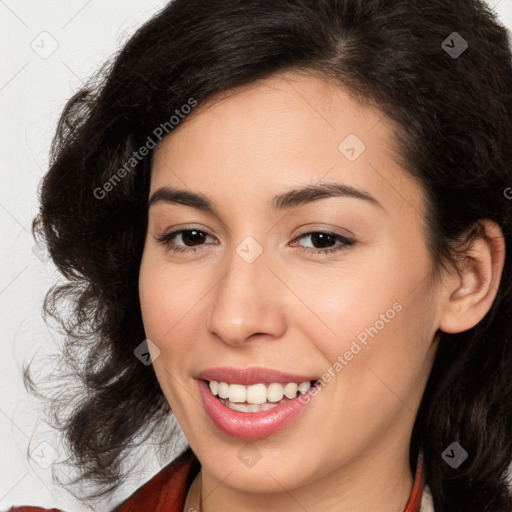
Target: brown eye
324, 242
182, 240
192, 237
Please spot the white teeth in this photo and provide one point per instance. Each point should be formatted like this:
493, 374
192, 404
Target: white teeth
223, 389
252, 407
304, 386
237, 393
257, 394
275, 392
237, 407
266, 406
290, 390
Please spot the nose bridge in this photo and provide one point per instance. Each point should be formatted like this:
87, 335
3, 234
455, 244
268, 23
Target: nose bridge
245, 301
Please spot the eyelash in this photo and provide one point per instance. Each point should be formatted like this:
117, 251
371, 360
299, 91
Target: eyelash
166, 241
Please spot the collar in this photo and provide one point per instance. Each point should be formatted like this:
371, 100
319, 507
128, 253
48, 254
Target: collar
420, 499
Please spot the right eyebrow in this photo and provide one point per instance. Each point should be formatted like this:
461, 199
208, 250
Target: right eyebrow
177, 196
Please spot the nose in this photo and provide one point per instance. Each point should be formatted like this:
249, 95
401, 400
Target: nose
247, 302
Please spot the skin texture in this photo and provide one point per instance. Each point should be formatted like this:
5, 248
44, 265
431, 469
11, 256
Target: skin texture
298, 311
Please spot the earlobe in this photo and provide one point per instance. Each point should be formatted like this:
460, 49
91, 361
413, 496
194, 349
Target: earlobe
472, 290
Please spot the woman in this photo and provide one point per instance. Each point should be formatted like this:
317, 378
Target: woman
298, 212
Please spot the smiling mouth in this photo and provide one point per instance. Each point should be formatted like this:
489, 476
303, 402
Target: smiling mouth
257, 397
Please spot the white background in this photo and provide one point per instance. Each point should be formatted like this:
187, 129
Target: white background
33, 91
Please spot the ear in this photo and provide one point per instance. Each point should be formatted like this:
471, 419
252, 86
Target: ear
470, 292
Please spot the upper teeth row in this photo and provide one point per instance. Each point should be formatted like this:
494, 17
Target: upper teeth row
257, 393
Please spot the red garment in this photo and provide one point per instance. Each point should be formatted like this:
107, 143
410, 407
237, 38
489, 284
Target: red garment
167, 490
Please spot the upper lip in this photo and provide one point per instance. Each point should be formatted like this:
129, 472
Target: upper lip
248, 376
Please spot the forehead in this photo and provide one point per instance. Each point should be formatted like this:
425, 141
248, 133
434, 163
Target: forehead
292, 106
287, 130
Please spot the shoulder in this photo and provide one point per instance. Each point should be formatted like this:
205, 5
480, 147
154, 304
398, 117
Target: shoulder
167, 488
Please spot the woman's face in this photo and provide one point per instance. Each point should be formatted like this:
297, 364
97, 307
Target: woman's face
255, 284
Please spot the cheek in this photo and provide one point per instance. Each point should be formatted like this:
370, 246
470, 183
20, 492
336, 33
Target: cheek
168, 295
383, 294
338, 305
167, 300
374, 329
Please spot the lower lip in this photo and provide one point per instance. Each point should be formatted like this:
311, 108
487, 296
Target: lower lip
249, 425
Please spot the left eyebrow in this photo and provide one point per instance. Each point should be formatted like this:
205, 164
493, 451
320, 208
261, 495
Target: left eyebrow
310, 193
289, 199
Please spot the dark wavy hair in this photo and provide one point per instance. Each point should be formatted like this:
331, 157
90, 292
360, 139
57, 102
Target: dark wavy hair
453, 127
